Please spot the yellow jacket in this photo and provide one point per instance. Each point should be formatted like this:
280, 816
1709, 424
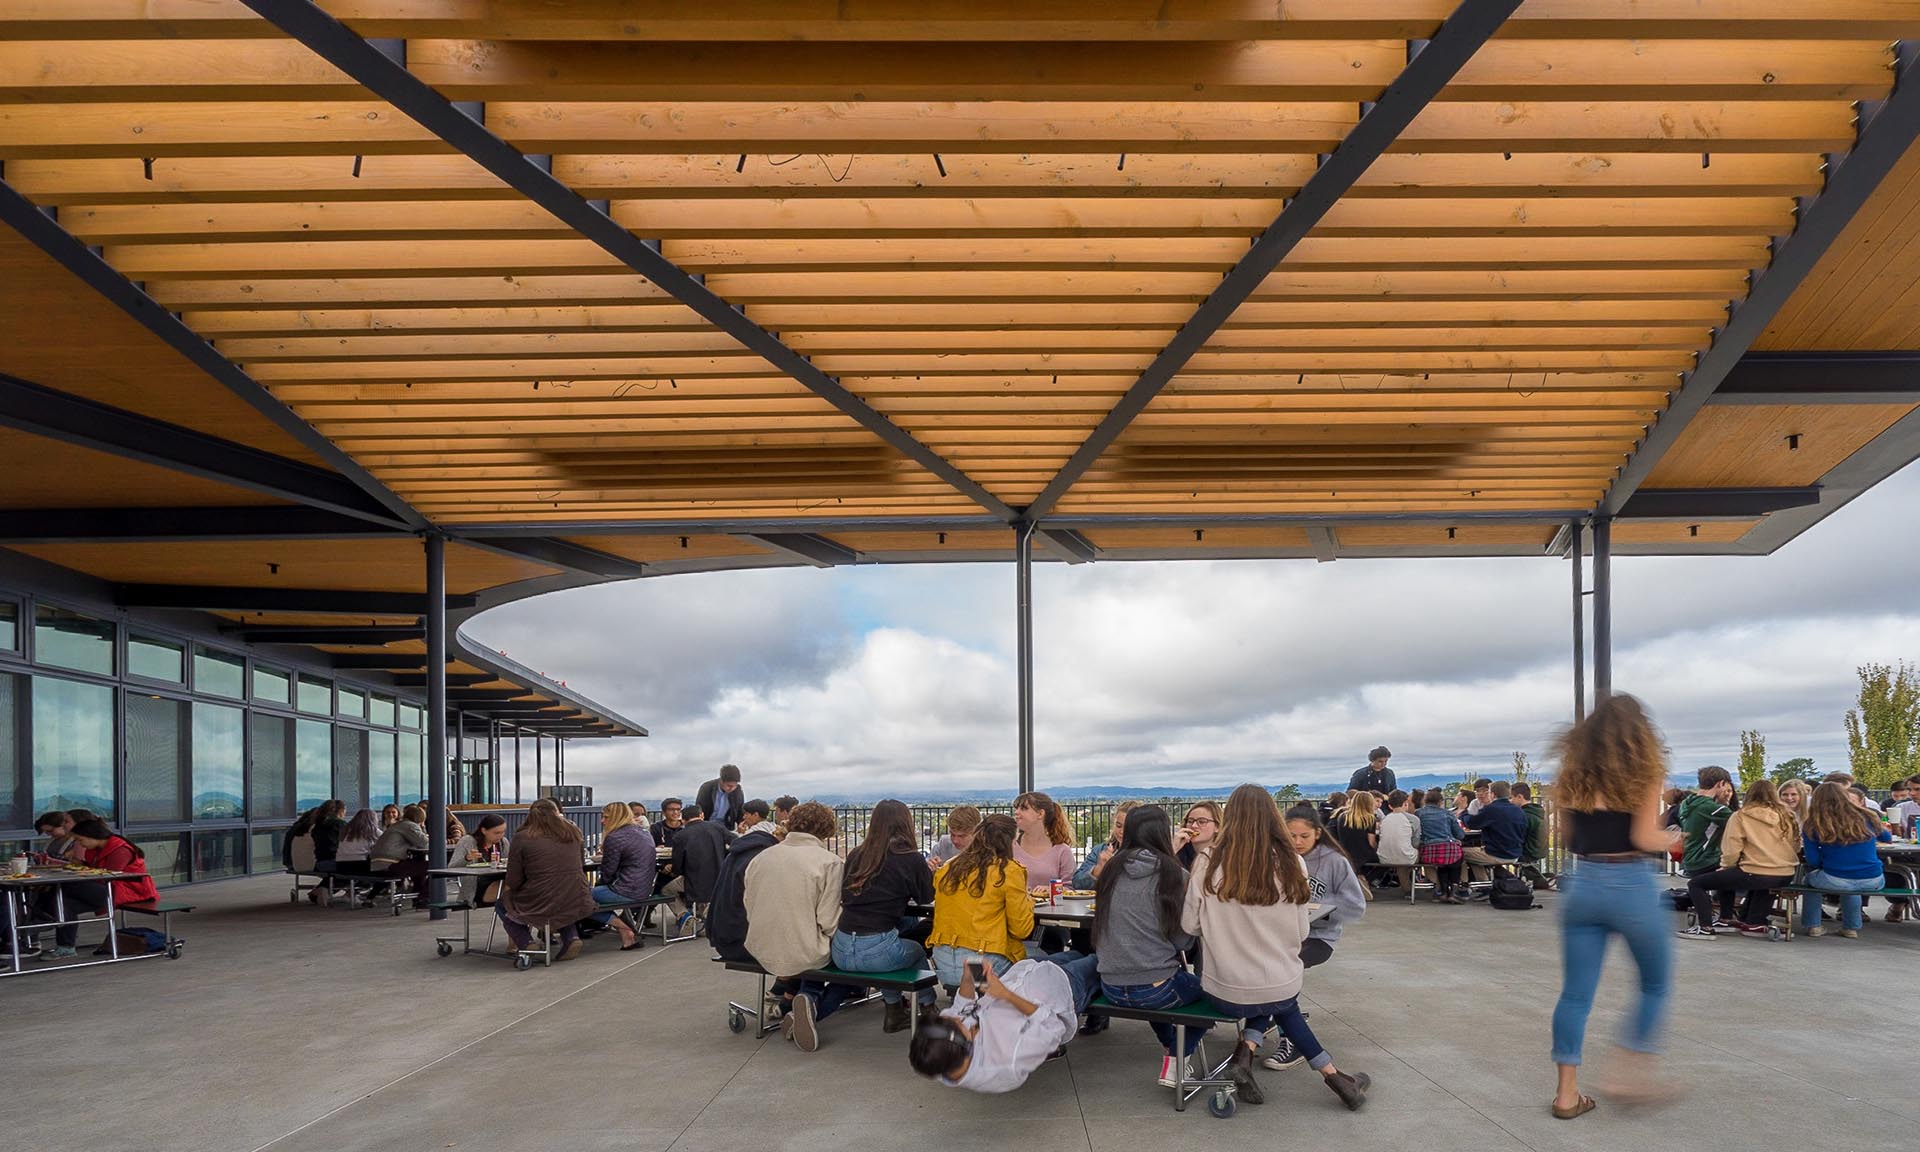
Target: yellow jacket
1760, 842
995, 921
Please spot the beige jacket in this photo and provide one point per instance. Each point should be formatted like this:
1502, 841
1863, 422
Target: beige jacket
1253, 952
793, 904
1757, 842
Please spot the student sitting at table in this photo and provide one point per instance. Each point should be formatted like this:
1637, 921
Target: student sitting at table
484, 844
1247, 897
962, 822
389, 816
783, 807
1440, 845
697, 851
627, 864
753, 814
1044, 843
1399, 846
1332, 881
792, 901
885, 873
1503, 831
546, 886
727, 912
99, 847
1197, 830
1356, 828
1759, 852
1838, 844
57, 827
356, 841
1333, 803
1089, 870
994, 1036
981, 909
392, 854
328, 827
1136, 929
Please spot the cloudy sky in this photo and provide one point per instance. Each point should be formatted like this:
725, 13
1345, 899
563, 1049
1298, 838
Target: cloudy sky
1197, 674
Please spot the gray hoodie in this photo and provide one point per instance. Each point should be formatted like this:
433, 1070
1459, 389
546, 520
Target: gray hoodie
1331, 878
1133, 950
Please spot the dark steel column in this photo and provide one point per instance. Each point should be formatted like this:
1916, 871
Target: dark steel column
1023, 657
1579, 625
1602, 609
436, 711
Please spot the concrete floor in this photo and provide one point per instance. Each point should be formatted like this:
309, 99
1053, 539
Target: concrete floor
305, 1029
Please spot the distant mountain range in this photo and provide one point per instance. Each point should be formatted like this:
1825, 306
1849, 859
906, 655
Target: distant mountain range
1068, 792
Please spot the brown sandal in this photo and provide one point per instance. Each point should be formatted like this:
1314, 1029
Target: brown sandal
1584, 1106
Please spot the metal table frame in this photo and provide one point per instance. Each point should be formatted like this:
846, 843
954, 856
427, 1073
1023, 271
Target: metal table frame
15, 890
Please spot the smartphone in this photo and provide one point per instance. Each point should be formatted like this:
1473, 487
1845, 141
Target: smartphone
978, 969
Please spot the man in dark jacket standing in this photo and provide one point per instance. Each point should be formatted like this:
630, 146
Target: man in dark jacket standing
727, 912
1376, 776
721, 798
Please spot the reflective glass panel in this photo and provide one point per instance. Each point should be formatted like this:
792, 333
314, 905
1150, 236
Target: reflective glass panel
69, 640
219, 763
219, 674
72, 746
156, 659
157, 750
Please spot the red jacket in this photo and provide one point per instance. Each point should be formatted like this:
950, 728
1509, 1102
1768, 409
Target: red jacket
116, 855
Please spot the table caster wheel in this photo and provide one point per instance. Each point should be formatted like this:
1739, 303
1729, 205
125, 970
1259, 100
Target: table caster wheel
1774, 934
293, 897
173, 949
1221, 1104
736, 1022
522, 963
444, 948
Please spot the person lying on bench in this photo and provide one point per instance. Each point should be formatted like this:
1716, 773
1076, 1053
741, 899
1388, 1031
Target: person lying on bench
999, 1029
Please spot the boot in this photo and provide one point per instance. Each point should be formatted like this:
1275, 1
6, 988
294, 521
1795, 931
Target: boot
1241, 1074
1095, 1025
898, 1017
1352, 1090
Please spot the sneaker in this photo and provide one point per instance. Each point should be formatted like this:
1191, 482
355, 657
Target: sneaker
806, 1035
1816, 930
1352, 1090
58, 954
1696, 933
1849, 934
1285, 1056
1755, 929
1166, 1070
785, 1017
680, 925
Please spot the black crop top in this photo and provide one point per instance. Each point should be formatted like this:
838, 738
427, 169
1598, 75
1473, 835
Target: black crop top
1599, 833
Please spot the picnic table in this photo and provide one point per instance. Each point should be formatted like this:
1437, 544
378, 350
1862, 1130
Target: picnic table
1902, 856
16, 889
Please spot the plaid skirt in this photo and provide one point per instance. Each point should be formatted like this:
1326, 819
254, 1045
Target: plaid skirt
1441, 852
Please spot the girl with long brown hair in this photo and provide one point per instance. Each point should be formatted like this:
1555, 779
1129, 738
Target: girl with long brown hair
546, 886
885, 874
1044, 845
1838, 843
1197, 830
1613, 769
981, 909
1759, 852
1247, 898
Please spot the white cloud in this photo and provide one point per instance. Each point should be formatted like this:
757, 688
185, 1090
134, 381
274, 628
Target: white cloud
900, 679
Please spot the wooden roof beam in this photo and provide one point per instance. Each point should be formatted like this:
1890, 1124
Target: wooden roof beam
1887, 130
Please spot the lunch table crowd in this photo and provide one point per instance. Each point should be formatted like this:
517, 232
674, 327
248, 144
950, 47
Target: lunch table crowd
1220, 905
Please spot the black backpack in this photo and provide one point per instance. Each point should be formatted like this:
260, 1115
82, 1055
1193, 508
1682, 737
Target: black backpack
1510, 892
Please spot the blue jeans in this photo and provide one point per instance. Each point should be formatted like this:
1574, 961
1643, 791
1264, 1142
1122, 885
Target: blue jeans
1083, 975
950, 961
827, 998
1177, 991
1849, 904
1600, 899
879, 952
604, 895
1255, 1019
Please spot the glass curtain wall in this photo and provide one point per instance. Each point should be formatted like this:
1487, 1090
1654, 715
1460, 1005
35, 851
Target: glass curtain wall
200, 755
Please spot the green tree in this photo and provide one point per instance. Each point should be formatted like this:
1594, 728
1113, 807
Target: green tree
1288, 795
1798, 768
1753, 758
1522, 769
1883, 733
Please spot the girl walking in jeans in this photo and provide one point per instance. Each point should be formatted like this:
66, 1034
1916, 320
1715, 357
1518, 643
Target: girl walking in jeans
1247, 898
1613, 766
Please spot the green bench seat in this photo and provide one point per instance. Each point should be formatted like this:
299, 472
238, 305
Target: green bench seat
901, 979
1895, 893
153, 907
1199, 1012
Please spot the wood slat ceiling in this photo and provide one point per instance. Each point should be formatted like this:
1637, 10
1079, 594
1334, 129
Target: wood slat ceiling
984, 219
356, 565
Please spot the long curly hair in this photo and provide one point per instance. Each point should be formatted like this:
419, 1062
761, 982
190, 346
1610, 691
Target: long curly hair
992, 846
1835, 818
1611, 761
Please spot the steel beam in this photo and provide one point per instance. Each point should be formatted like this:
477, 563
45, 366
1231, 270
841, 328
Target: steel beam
380, 73
1822, 378
436, 559
484, 695
452, 679
26, 218
1325, 548
1579, 624
1073, 547
126, 525
1428, 70
321, 601
1887, 129
380, 661
560, 553
1023, 644
806, 547
1715, 503
301, 634
71, 419
1602, 609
